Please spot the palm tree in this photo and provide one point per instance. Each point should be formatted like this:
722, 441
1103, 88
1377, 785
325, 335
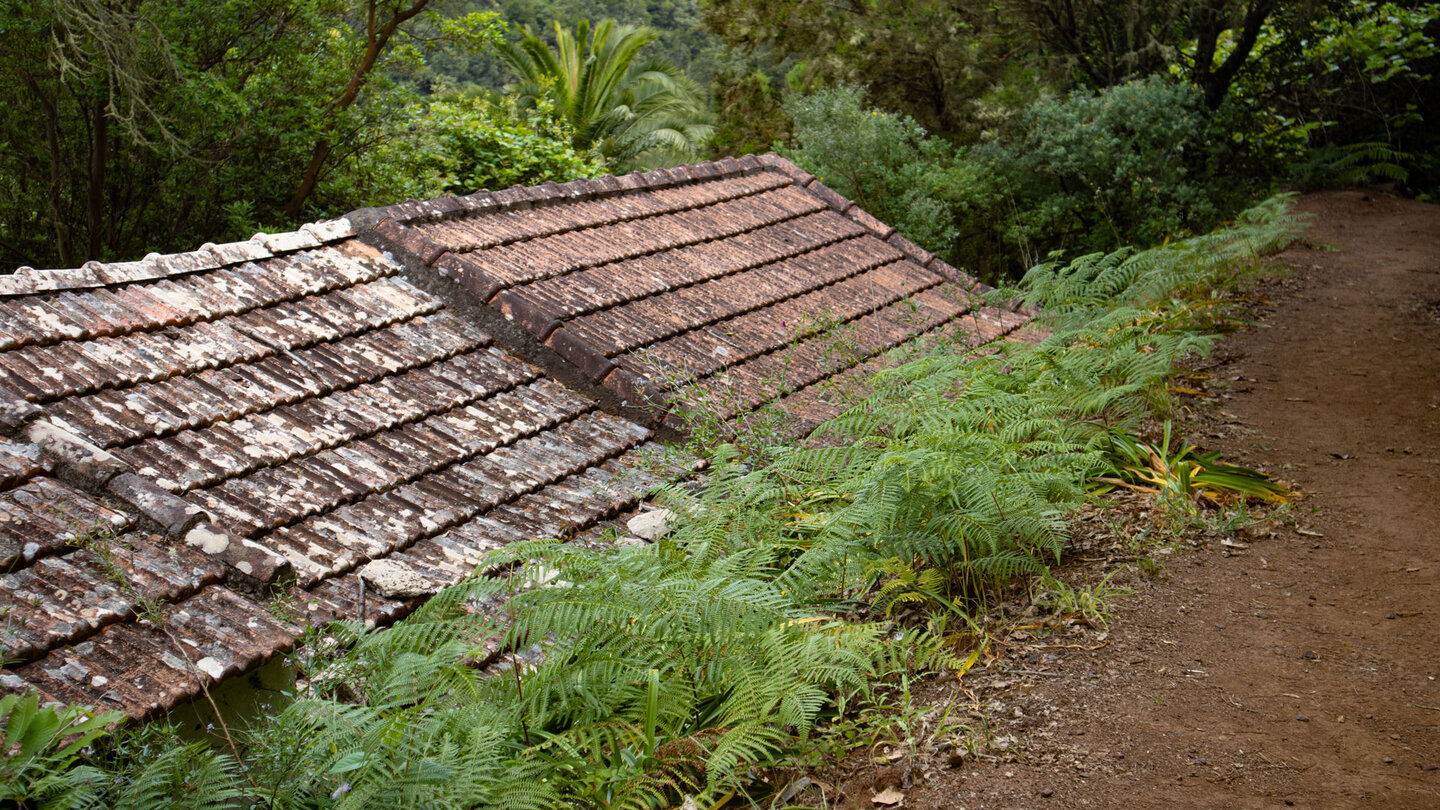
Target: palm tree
638, 116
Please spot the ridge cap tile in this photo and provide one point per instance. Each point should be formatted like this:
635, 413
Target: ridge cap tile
605, 187
513, 198
633, 181
749, 163
547, 192
831, 197
781, 164
577, 190
330, 230
288, 242
728, 166
873, 225
481, 202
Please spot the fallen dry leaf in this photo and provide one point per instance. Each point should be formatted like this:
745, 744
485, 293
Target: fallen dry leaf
888, 796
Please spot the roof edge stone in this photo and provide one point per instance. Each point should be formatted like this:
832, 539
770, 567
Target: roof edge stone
520, 198
885, 232
155, 266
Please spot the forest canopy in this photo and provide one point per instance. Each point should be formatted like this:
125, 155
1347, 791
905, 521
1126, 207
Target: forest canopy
992, 135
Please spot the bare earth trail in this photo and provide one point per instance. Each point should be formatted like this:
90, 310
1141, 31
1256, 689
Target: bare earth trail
1302, 671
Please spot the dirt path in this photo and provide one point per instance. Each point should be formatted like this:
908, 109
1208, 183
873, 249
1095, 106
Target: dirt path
1301, 671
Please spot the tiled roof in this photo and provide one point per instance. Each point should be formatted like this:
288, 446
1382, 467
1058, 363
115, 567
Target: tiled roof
182, 436
735, 283
184, 432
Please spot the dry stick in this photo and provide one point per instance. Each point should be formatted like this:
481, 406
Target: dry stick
205, 690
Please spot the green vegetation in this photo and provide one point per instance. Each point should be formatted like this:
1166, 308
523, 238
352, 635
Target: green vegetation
161, 124
1180, 476
457, 145
42, 746
164, 124
637, 115
994, 137
1089, 171
998, 135
793, 598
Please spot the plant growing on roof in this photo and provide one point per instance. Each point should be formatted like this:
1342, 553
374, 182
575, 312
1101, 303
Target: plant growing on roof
679, 667
636, 114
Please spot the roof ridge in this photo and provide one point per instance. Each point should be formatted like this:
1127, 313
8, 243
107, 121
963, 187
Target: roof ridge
850, 209
886, 233
155, 266
519, 198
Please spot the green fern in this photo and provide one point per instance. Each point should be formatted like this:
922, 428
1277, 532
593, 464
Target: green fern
41, 749
188, 777
1372, 160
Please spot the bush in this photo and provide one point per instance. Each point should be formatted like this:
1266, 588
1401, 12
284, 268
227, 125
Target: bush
459, 146
1091, 171
886, 163
1361, 84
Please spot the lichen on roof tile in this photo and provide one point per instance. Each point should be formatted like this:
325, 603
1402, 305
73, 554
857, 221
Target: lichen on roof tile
326, 408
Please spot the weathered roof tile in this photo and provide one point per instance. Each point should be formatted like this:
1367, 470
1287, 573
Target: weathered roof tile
328, 412
61, 599
700, 269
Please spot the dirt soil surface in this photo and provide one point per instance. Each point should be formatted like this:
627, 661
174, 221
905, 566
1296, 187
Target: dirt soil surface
1299, 671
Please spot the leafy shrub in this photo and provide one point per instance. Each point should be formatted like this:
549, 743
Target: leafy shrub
885, 163
1131, 164
1361, 72
461, 145
1092, 171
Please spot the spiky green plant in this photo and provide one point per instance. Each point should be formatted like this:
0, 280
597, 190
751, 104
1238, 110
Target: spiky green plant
1178, 472
41, 749
639, 115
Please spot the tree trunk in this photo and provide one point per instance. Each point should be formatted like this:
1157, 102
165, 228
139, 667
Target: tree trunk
95, 199
1215, 81
53, 205
376, 38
